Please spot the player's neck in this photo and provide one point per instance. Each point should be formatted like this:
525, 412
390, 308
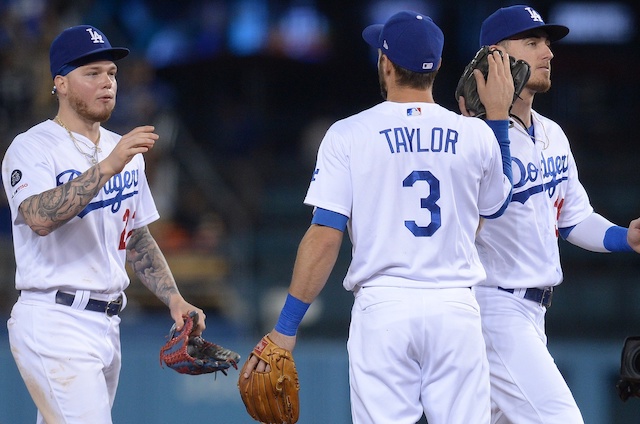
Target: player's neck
522, 111
522, 108
410, 95
72, 122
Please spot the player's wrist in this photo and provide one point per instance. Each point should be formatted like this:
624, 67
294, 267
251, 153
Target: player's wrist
291, 315
616, 239
497, 114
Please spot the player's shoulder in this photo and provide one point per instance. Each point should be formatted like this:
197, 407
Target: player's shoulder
37, 134
477, 124
44, 127
546, 121
550, 128
111, 135
472, 125
360, 120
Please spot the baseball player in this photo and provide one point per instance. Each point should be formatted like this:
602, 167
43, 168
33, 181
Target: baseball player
80, 206
409, 180
519, 250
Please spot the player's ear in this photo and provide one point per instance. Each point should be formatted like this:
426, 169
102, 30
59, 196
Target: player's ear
59, 84
385, 64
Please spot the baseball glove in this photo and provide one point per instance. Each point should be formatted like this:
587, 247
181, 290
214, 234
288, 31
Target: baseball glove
468, 88
194, 355
271, 397
629, 383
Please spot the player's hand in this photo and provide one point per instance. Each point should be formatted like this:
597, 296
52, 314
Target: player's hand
180, 308
286, 342
463, 106
138, 140
633, 235
496, 93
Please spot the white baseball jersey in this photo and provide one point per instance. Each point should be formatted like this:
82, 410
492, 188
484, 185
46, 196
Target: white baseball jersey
520, 248
413, 178
88, 252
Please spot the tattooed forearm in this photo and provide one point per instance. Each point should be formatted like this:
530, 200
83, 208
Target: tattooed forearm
47, 211
150, 265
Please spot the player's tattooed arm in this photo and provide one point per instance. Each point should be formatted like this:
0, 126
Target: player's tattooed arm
149, 264
47, 211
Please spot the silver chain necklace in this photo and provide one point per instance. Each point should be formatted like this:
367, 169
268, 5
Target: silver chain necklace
91, 157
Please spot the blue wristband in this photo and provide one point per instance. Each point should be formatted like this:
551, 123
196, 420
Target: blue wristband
292, 313
615, 239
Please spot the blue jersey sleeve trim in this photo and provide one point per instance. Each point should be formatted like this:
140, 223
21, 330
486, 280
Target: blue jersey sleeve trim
615, 239
500, 211
330, 219
564, 232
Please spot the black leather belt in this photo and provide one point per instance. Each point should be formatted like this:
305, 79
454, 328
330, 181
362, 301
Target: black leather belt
110, 308
541, 296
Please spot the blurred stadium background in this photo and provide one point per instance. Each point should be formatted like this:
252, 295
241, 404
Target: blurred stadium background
241, 92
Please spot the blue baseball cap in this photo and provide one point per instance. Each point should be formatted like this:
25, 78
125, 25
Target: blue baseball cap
79, 45
409, 39
510, 22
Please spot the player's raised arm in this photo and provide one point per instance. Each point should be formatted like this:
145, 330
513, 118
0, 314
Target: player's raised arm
47, 211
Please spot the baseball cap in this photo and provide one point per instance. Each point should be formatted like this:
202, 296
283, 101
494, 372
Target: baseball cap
409, 39
511, 21
79, 45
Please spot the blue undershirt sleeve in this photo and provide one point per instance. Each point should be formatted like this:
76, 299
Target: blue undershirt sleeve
501, 130
597, 234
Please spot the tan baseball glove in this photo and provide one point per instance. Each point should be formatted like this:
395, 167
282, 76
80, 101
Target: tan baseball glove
271, 397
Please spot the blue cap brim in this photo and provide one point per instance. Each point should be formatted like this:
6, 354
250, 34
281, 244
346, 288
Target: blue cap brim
554, 32
371, 35
114, 53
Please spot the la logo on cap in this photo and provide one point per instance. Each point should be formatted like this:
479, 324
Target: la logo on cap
535, 16
95, 36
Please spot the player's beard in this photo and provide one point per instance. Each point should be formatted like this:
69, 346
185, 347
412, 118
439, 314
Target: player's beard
82, 108
539, 85
383, 84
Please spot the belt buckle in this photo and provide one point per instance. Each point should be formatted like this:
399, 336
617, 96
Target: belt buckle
114, 306
547, 296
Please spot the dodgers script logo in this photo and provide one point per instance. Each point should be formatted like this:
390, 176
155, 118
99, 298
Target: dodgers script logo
95, 36
120, 187
549, 174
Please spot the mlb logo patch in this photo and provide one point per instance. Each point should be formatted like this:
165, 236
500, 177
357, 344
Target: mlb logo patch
414, 111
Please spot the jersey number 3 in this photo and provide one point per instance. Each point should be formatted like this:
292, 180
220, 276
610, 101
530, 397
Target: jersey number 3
428, 203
